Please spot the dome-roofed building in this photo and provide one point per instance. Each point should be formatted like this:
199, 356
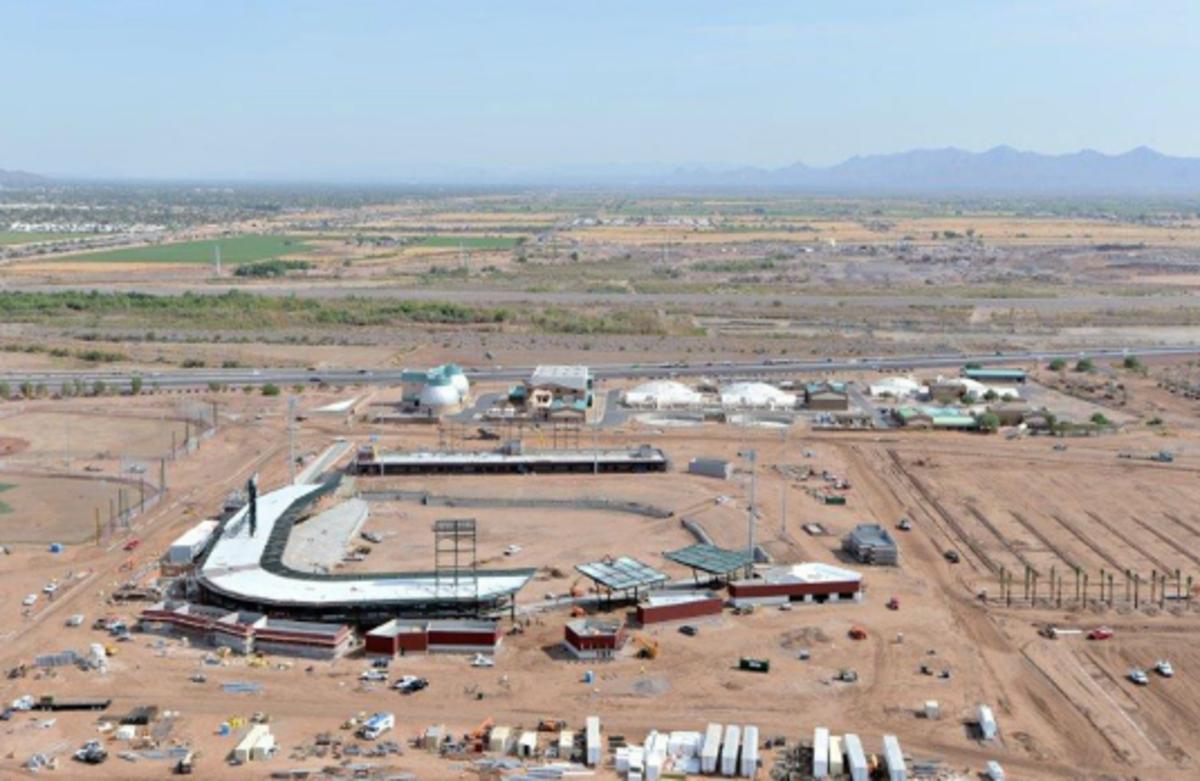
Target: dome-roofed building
440, 389
662, 394
756, 395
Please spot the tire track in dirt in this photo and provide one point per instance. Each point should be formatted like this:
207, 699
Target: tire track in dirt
1129, 542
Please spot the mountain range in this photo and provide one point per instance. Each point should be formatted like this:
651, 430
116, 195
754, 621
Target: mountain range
20, 179
1001, 169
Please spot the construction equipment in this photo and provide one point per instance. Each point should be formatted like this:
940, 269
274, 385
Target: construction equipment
857, 633
186, 764
750, 664
647, 647
478, 737
551, 725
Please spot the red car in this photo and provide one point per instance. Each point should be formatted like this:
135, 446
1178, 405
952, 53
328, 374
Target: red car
132, 544
1101, 633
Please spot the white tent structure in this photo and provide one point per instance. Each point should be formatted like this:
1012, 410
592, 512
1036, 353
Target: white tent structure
662, 394
896, 388
755, 395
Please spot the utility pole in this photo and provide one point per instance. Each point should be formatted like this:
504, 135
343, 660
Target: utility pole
292, 438
783, 509
751, 520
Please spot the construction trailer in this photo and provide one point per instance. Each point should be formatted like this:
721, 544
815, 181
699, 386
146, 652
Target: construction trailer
987, 723
257, 744
593, 638
837, 760
893, 759
592, 745
566, 745
500, 740
711, 467
856, 759
711, 750
729, 751
527, 744
820, 761
749, 759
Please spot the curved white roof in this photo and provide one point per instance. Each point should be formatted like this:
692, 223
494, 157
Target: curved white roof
755, 394
439, 394
661, 393
234, 568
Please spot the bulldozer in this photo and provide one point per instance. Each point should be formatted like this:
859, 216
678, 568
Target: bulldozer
857, 633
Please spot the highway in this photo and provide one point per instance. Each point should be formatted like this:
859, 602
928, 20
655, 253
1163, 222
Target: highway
200, 378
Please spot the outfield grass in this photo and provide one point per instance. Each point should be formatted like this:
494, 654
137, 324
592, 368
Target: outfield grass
21, 237
466, 242
234, 250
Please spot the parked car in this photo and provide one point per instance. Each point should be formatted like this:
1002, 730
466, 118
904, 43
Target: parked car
1164, 668
690, 630
951, 556
1138, 676
373, 674
1100, 633
409, 684
30, 600
132, 544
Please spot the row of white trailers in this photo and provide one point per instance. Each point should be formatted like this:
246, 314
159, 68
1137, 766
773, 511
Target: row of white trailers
733, 751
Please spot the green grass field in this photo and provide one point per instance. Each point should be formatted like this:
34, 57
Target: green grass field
466, 242
234, 250
20, 237
5, 507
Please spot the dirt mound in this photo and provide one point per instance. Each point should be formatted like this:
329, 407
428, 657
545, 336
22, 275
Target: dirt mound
12, 445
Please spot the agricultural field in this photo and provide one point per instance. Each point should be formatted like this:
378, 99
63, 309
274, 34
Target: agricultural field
466, 242
234, 250
27, 237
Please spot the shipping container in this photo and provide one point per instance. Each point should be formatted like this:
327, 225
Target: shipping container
729, 751
893, 758
749, 762
837, 763
856, 760
711, 749
820, 761
593, 741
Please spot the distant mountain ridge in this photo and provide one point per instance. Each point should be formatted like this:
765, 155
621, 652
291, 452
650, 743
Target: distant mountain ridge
20, 179
1000, 169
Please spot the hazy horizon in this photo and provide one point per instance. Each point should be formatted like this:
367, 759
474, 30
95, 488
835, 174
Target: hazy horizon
382, 92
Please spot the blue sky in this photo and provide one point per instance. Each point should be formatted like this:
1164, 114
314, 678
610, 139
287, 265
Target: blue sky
389, 90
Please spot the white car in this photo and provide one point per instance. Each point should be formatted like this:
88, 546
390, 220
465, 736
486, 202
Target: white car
50, 588
483, 661
1138, 676
512, 550
1165, 669
30, 600
373, 675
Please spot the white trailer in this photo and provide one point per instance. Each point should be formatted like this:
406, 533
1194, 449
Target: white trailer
893, 757
566, 744
729, 751
711, 749
244, 751
837, 762
594, 748
987, 723
820, 762
500, 741
527, 744
856, 760
750, 751
994, 772
375, 726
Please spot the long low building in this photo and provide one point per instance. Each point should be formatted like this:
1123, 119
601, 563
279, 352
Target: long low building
244, 570
246, 632
677, 605
511, 460
398, 637
807, 582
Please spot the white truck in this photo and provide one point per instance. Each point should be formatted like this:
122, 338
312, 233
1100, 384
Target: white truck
375, 726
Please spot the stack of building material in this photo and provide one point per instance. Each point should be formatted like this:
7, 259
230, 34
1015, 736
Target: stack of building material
593, 750
820, 763
856, 760
683, 748
837, 765
257, 744
656, 755
729, 751
711, 749
893, 759
749, 751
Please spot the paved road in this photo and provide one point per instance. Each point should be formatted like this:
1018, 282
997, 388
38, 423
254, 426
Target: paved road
193, 378
708, 301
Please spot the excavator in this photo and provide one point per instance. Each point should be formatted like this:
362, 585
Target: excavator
478, 737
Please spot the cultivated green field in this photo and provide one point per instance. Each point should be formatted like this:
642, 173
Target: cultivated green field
466, 242
21, 237
234, 250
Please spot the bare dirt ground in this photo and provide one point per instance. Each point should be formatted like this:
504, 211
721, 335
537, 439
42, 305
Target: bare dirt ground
1064, 707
